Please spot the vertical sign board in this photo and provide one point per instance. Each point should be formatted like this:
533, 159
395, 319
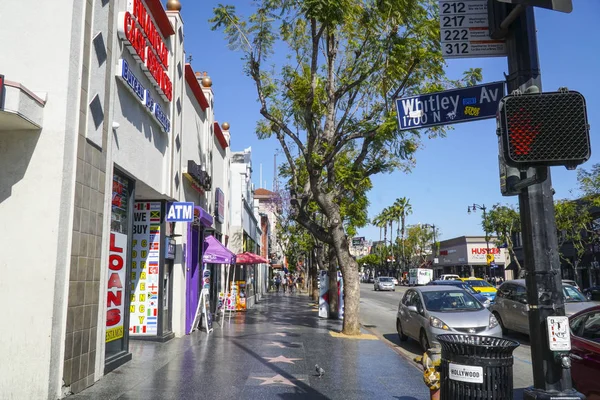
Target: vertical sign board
1, 92
115, 295
145, 260
220, 205
450, 107
464, 30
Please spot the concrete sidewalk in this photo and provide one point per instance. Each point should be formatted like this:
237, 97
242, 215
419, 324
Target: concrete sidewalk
268, 352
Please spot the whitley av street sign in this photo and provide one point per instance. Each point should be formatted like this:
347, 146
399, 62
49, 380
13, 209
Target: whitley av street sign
449, 107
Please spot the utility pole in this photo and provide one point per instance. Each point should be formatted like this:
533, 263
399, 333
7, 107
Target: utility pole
551, 370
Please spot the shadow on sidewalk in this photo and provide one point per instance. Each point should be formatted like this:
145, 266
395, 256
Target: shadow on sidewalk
303, 390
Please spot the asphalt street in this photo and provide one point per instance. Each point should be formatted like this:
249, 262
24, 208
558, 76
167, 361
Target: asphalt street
378, 314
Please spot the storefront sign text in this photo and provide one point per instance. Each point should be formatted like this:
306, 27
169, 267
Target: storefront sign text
145, 261
117, 261
145, 43
135, 86
485, 250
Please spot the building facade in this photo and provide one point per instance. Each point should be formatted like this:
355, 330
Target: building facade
122, 130
467, 256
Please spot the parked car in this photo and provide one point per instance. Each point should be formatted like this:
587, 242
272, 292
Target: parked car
512, 311
592, 293
384, 283
449, 277
585, 351
428, 311
481, 298
572, 283
481, 286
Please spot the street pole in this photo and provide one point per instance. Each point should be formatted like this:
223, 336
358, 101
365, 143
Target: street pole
487, 241
551, 373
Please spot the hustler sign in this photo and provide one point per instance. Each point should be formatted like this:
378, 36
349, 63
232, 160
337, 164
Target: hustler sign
449, 107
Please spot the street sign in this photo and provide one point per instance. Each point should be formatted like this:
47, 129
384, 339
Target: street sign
449, 107
464, 30
180, 212
489, 258
559, 336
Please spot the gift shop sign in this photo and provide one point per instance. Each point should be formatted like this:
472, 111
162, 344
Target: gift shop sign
117, 259
137, 29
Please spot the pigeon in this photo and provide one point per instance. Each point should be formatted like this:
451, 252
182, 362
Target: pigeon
319, 370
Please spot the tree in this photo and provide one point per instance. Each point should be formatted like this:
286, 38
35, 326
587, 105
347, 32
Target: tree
418, 239
589, 183
572, 223
328, 104
504, 221
404, 208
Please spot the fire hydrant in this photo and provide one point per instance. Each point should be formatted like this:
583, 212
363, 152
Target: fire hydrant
430, 360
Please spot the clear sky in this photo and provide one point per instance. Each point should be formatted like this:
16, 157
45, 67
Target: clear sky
452, 172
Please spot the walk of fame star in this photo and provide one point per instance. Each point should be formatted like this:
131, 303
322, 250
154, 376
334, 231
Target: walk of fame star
277, 379
280, 334
282, 359
277, 344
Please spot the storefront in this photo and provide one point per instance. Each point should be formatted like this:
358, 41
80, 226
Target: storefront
467, 256
194, 253
118, 285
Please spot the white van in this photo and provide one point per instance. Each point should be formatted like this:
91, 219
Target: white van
449, 277
419, 276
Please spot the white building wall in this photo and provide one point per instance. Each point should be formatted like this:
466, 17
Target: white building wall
36, 229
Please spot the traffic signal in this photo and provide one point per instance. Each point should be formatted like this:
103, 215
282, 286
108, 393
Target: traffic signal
544, 129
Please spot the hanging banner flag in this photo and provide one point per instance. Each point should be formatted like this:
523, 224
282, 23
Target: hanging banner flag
145, 265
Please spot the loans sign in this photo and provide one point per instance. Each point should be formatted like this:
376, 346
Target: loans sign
449, 107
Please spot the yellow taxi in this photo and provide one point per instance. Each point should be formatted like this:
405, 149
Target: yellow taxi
481, 286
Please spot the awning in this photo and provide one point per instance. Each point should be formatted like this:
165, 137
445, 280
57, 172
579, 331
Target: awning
216, 253
250, 258
202, 217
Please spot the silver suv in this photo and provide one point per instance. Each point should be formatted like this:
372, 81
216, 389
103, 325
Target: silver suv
512, 311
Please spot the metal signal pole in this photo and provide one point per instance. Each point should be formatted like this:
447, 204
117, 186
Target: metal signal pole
551, 370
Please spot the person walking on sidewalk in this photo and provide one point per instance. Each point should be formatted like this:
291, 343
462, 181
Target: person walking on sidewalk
284, 283
277, 282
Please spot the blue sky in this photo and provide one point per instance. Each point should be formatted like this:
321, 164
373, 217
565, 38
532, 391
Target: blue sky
452, 172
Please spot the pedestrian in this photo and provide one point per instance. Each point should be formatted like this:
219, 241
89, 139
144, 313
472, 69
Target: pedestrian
284, 283
277, 282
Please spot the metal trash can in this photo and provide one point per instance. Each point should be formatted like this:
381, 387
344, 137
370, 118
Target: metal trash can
476, 367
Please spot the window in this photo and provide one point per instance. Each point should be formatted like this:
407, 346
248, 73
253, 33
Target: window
408, 298
520, 294
591, 327
576, 324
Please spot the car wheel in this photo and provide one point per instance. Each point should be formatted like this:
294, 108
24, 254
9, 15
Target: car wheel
401, 334
589, 296
423, 341
393, 290
499, 319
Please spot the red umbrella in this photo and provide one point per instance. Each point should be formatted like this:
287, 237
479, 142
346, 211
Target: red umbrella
250, 258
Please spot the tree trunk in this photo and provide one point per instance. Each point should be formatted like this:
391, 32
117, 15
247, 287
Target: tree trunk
320, 265
333, 285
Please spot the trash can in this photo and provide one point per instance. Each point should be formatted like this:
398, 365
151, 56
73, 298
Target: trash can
476, 367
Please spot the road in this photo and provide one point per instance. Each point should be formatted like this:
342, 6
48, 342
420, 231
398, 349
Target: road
378, 314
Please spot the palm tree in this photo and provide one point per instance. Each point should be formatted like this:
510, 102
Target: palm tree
380, 222
404, 208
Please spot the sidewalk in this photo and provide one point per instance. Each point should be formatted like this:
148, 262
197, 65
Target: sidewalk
268, 352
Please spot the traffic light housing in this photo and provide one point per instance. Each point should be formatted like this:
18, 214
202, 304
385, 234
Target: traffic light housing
544, 129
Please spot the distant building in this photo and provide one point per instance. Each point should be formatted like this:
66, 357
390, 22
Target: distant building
360, 247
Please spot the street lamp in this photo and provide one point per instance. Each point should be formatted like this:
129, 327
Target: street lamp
483, 208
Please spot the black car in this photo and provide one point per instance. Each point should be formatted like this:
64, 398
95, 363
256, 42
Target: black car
592, 293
